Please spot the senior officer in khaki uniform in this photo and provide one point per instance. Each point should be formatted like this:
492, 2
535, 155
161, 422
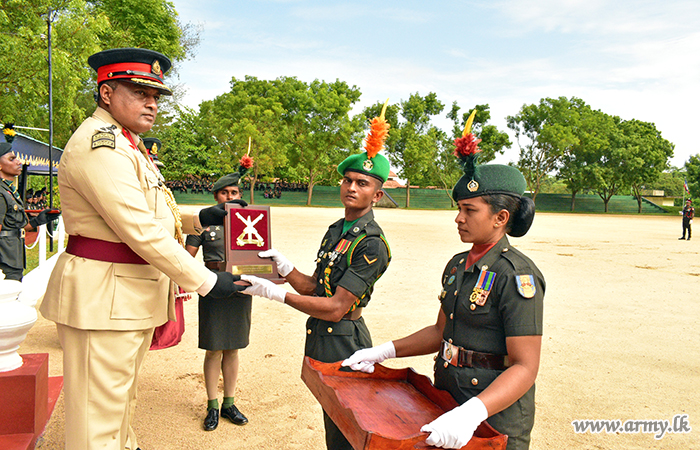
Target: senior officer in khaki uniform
13, 220
352, 257
111, 286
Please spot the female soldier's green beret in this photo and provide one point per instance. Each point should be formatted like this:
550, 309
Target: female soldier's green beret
485, 179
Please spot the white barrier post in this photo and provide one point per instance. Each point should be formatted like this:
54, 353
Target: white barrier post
61, 235
41, 235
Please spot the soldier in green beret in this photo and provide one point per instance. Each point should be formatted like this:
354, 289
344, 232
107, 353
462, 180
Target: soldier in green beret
352, 257
224, 323
489, 329
14, 222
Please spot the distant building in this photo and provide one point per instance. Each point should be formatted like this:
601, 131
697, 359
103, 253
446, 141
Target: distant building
657, 197
392, 181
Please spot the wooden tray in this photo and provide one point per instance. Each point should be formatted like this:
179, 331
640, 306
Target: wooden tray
386, 409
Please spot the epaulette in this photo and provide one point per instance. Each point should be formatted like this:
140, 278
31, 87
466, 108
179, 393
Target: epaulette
372, 229
105, 137
517, 259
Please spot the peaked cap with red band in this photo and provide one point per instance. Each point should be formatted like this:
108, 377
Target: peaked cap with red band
135, 65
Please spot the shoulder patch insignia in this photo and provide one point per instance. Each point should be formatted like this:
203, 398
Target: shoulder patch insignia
369, 261
104, 137
526, 285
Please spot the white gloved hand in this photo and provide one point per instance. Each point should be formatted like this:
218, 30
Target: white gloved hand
691, 221
284, 266
264, 288
364, 359
455, 428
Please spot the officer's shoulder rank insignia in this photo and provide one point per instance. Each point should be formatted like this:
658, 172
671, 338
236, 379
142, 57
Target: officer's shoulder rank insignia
104, 137
526, 285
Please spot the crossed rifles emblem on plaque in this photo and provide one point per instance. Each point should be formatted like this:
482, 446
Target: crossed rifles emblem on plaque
250, 234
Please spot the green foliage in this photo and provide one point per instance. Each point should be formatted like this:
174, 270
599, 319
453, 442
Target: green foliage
318, 132
79, 29
646, 155
671, 182
544, 133
413, 144
692, 167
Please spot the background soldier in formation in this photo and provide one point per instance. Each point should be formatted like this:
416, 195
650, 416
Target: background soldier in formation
14, 222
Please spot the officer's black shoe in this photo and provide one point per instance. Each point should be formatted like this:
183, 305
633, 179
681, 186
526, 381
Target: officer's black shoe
234, 415
212, 420
681, 239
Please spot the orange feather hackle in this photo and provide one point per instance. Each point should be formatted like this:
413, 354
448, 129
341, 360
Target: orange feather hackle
378, 131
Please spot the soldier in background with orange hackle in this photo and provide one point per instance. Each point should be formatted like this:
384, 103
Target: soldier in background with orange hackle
352, 257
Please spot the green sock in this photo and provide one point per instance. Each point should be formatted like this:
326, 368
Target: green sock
213, 404
228, 401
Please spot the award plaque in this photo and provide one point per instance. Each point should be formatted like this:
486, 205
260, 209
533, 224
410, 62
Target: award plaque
386, 409
247, 233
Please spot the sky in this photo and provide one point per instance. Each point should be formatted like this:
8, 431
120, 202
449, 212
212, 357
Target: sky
635, 59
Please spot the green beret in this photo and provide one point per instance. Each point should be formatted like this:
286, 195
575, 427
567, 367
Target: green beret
227, 180
5, 148
377, 167
490, 179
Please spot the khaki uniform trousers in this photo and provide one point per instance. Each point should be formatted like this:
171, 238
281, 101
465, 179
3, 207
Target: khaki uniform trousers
100, 393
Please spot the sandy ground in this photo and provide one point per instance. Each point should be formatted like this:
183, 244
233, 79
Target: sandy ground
620, 342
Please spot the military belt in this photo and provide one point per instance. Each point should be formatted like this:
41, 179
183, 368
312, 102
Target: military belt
354, 314
213, 265
15, 232
461, 357
99, 250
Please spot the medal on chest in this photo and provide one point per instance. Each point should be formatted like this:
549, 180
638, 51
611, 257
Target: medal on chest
340, 249
482, 288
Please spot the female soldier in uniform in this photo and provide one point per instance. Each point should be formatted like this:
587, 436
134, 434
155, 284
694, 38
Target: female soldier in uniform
224, 324
13, 220
489, 327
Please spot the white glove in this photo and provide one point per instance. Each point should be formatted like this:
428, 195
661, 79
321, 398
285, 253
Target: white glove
455, 428
264, 288
364, 359
284, 266
691, 221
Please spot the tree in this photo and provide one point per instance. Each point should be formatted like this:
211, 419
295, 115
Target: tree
412, 145
252, 109
183, 153
692, 167
647, 155
317, 126
671, 182
592, 130
544, 134
79, 29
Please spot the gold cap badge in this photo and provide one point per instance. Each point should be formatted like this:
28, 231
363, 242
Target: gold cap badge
155, 68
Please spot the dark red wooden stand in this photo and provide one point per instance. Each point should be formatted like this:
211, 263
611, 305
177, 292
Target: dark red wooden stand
386, 409
27, 398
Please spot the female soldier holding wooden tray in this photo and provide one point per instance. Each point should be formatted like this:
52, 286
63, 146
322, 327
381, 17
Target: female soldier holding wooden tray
488, 332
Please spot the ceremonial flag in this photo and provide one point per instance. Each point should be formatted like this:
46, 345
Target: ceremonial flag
685, 186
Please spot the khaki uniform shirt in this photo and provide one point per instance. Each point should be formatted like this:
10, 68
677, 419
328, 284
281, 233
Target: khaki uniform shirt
117, 195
